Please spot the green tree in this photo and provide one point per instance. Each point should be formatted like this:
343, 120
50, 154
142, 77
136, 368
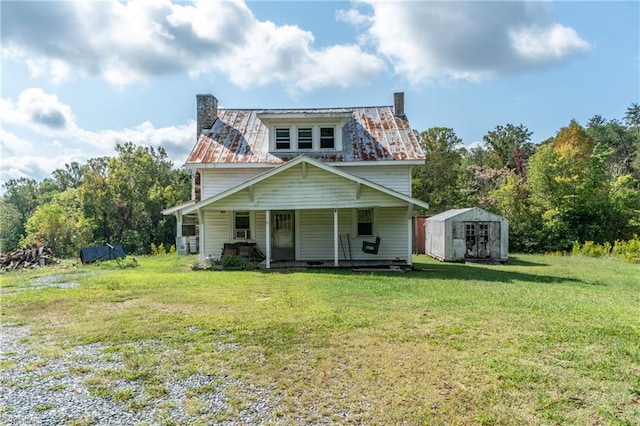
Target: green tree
509, 146
22, 193
568, 184
142, 182
616, 138
10, 226
60, 225
435, 181
97, 199
632, 118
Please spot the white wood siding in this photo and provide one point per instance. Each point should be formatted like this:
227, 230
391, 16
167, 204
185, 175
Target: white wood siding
397, 178
215, 181
293, 190
258, 233
217, 233
316, 235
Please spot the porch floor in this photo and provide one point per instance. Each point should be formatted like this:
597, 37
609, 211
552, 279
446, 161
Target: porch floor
325, 264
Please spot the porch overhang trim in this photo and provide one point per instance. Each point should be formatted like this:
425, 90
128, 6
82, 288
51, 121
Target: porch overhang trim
178, 208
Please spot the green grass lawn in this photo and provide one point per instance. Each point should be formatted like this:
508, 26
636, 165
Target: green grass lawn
540, 340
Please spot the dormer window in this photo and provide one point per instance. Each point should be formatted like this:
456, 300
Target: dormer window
291, 131
327, 138
305, 138
283, 138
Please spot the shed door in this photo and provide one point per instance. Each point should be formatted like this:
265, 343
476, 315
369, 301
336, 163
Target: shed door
477, 240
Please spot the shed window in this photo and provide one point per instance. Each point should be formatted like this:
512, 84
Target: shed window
283, 138
327, 138
241, 226
365, 222
305, 138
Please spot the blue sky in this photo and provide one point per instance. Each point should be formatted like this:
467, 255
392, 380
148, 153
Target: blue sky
79, 77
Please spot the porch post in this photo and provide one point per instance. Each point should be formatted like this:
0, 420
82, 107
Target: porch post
201, 234
410, 235
268, 237
335, 238
179, 223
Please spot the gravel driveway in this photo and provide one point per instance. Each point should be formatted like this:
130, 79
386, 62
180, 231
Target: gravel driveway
37, 390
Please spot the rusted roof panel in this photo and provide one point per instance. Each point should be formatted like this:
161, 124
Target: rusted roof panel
371, 134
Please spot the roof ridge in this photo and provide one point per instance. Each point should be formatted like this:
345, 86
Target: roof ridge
302, 109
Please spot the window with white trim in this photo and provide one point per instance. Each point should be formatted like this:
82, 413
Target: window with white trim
283, 138
327, 138
241, 225
305, 138
365, 222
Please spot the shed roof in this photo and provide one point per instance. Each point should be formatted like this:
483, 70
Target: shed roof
471, 211
448, 214
238, 136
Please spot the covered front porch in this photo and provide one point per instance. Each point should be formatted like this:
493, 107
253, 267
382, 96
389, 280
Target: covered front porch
309, 213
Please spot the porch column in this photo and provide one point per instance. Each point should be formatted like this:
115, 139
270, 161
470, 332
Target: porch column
410, 235
267, 239
201, 234
335, 238
179, 223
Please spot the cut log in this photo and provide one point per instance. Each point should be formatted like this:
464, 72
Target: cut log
33, 257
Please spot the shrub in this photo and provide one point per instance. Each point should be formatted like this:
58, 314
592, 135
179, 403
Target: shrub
629, 251
237, 262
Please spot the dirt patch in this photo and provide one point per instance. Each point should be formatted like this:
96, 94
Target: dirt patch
61, 281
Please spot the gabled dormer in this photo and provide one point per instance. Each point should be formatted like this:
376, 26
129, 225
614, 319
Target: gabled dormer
305, 131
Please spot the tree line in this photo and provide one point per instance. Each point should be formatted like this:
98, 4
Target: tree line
107, 200
581, 185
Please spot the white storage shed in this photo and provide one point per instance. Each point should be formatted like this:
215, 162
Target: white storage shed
472, 233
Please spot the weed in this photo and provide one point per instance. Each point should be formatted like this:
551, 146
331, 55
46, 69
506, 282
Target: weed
44, 407
82, 421
122, 395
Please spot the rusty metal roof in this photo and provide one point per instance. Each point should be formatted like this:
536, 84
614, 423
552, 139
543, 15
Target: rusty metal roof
238, 136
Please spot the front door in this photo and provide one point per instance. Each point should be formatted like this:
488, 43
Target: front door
282, 247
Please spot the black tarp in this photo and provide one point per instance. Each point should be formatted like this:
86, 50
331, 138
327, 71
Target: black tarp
93, 254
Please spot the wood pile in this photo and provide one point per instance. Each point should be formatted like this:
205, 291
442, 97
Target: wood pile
26, 258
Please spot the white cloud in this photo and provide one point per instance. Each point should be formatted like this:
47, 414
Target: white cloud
11, 145
132, 41
470, 40
541, 44
61, 140
37, 109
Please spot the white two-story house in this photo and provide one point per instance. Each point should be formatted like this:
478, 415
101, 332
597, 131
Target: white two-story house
323, 185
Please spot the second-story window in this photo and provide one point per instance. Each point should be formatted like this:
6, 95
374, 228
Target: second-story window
327, 138
283, 138
305, 138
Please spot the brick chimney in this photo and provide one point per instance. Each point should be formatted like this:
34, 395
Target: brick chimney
398, 104
206, 112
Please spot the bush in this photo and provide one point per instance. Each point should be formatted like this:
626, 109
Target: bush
629, 251
160, 249
236, 262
